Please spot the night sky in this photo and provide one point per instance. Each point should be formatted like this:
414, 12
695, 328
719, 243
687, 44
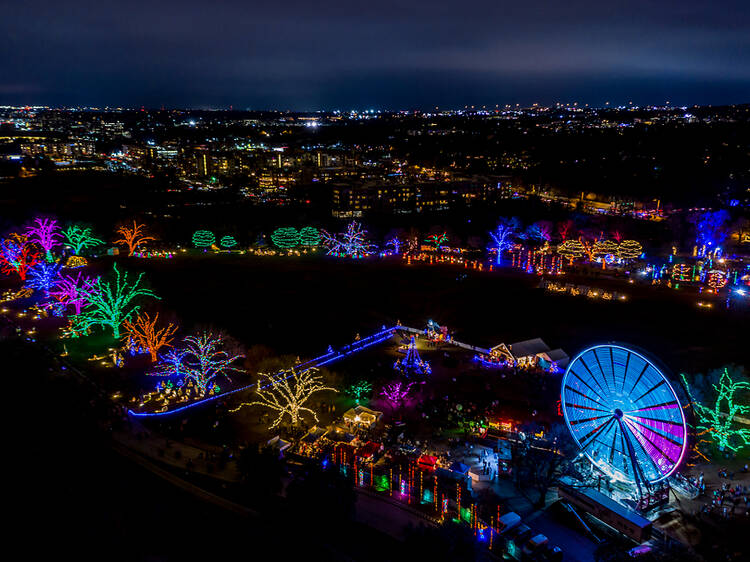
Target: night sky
378, 54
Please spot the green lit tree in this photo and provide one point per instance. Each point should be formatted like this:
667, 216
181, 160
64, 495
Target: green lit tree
309, 236
286, 237
80, 238
110, 303
719, 409
360, 390
203, 239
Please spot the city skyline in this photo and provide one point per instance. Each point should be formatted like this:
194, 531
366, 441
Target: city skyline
386, 57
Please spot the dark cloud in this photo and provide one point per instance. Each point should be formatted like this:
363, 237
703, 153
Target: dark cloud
381, 54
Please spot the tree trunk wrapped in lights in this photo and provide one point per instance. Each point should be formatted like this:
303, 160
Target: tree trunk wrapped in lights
110, 303
17, 255
718, 421
71, 290
144, 332
133, 237
46, 233
80, 238
286, 392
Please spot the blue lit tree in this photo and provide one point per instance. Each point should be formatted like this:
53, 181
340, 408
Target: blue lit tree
711, 229
43, 276
504, 235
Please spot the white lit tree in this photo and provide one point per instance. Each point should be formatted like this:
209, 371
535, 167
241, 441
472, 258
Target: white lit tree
286, 392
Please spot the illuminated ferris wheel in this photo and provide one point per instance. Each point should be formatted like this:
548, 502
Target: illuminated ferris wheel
624, 414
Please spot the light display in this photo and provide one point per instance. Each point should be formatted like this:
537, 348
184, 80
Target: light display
286, 392
71, 290
565, 229
718, 420
43, 276
227, 242
629, 249
624, 415
503, 236
110, 303
682, 272
133, 237
76, 261
541, 230
80, 238
603, 248
309, 236
395, 244
351, 244
716, 279
203, 239
395, 393
437, 240
286, 237
144, 333
711, 230
200, 361
46, 233
360, 390
412, 364
17, 255
571, 249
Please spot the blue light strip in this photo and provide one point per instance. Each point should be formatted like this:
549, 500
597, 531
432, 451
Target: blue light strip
319, 361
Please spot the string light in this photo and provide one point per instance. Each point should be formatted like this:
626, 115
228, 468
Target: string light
79, 238
109, 304
228, 242
203, 238
309, 236
143, 332
46, 233
133, 237
286, 238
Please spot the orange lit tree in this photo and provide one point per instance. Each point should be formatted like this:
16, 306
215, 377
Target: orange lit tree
144, 332
133, 237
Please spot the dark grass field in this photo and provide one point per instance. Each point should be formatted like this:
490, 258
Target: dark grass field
301, 305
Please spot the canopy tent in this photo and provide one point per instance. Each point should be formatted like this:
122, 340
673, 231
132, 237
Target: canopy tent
460, 467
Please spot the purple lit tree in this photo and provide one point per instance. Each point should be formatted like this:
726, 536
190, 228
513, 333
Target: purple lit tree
72, 291
46, 233
351, 244
503, 236
540, 230
395, 393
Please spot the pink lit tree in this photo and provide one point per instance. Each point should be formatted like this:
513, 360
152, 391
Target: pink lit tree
72, 291
46, 233
395, 393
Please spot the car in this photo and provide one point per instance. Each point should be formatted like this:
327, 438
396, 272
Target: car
507, 522
535, 544
515, 539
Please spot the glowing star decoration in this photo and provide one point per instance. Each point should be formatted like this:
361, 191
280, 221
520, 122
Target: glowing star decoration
437, 240
395, 393
629, 249
203, 239
503, 236
133, 237
227, 242
286, 393
286, 237
147, 336
571, 249
17, 255
719, 420
360, 390
43, 276
46, 233
71, 290
110, 303
309, 236
350, 244
79, 238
